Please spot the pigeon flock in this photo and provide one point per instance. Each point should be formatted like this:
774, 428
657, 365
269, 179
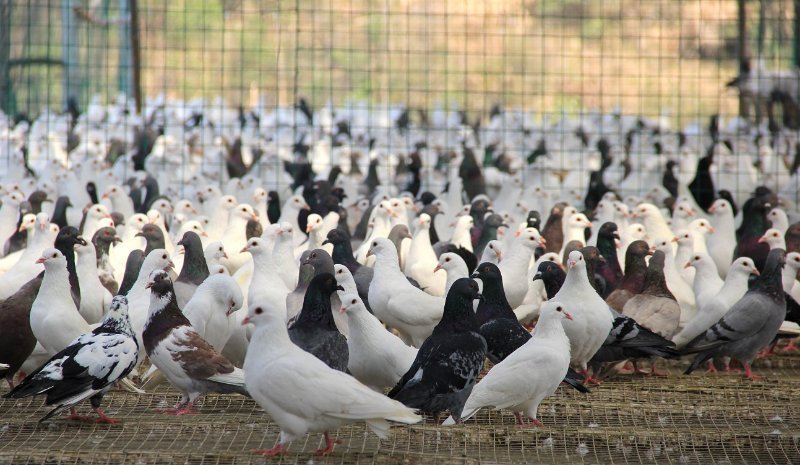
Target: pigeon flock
353, 265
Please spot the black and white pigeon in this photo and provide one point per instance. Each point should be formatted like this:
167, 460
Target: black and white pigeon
449, 361
499, 325
752, 322
187, 361
314, 329
87, 368
194, 270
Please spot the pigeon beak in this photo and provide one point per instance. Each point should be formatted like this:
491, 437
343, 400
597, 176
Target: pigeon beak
203, 234
139, 234
224, 254
41, 260
306, 206
675, 239
762, 239
170, 265
590, 225
687, 265
342, 311
712, 209
245, 249
148, 285
108, 215
308, 228
246, 320
568, 316
22, 227
104, 196
437, 268
516, 234
254, 217
369, 253
81, 240
499, 256
689, 213
755, 272
326, 242
571, 263
617, 243
117, 239
543, 241
711, 229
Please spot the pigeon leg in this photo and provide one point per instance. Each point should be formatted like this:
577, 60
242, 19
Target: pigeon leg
791, 347
728, 368
105, 418
329, 445
748, 372
655, 371
279, 449
588, 379
711, 368
73, 415
10, 381
521, 423
186, 410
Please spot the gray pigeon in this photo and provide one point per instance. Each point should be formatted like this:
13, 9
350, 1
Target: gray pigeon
750, 325
194, 270
314, 329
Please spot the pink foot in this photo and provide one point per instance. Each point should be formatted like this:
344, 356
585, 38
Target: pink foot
73, 416
186, 409
710, 367
103, 418
748, 373
329, 445
279, 449
656, 372
791, 347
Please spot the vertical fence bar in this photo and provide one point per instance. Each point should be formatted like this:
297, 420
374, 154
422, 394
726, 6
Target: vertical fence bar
136, 63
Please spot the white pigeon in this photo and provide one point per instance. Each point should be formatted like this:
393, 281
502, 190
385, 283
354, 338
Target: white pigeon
9, 213
55, 320
211, 306
95, 298
700, 229
455, 268
493, 252
515, 264
377, 357
265, 285
574, 231
120, 200
421, 260
219, 217
278, 373
215, 254
235, 236
397, 303
680, 289
91, 224
593, 319
28, 226
461, 232
380, 218
283, 253
291, 208
654, 222
779, 219
732, 290
707, 282
723, 244
26, 267
773, 238
683, 254
530, 374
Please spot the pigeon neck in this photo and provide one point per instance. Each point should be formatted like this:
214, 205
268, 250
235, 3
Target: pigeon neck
69, 254
163, 316
458, 316
635, 271
343, 255
195, 268
316, 311
771, 280
553, 284
549, 326
494, 303
117, 323
609, 251
655, 283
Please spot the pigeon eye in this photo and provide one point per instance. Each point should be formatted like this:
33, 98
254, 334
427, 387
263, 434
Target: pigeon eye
559, 309
164, 256
244, 209
353, 301
259, 311
55, 255
447, 259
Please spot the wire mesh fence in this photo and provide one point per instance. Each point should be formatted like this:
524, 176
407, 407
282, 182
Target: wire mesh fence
285, 75
697, 419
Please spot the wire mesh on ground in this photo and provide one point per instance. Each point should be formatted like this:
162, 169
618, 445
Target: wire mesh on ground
697, 419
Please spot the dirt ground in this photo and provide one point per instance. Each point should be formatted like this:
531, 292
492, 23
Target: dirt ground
697, 419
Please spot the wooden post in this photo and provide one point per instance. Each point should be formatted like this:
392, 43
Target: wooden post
136, 57
743, 56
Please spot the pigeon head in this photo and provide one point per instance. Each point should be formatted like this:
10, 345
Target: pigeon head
426, 198
487, 272
226, 292
424, 221
326, 283
189, 239
554, 310
215, 250
107, 235
298, 202
255, 245
351, 303
320, 260
29, 223
399, 232
52, 259
534, 220
638, 249
530, 238
496, 247
68, 236
117, 316
97, 211
609, 230
551, 274
218, 269
335, 237
773, 237
119, 305
138, 221
381, 247
577, 261
464, 288
158, 282
313, 223
448, 261
259, 195
343, 275
720, 207
286, 230
151, 232
244, 211
158, 259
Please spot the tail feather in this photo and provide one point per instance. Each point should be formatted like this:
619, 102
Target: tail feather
699, 360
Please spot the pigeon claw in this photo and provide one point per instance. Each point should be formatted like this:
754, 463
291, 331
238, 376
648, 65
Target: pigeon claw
279, 449
103, 418
748, 373
73, 416
329, 445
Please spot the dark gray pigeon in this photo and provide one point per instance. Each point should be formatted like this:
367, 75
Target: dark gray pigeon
314, 329
343, 255
750, 325
449, 361
194, 270
154, 237
132, 266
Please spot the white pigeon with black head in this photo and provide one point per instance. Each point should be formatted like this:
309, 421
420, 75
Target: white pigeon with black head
528, 375
88, 367
187, 360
